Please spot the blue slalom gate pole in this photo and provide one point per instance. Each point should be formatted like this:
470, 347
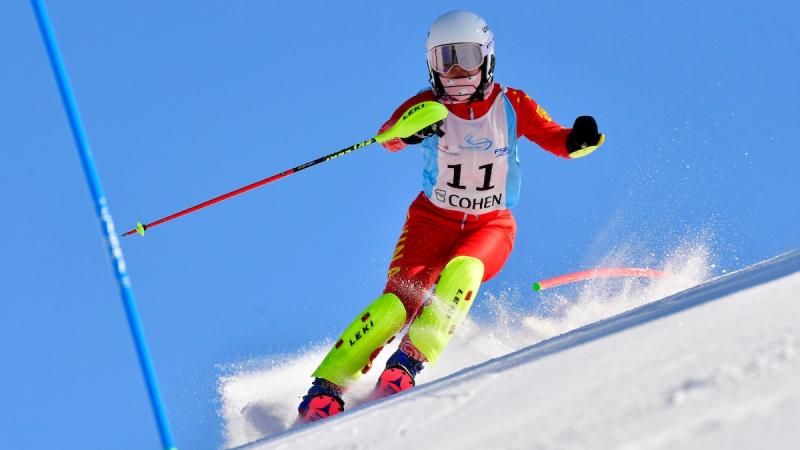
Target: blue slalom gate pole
107, 225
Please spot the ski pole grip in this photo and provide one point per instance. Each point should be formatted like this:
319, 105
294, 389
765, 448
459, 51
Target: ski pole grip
414, 119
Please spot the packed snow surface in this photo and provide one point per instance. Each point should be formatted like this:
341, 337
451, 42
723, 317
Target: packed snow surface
712, 366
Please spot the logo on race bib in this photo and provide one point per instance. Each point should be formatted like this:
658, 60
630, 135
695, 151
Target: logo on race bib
500, 151
473, 143
469, 203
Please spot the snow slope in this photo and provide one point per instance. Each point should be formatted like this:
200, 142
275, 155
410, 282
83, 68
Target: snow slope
714, 366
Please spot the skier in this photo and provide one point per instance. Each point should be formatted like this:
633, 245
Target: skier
459, 230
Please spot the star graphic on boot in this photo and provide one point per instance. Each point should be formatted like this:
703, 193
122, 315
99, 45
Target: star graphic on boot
397, 382
326, 409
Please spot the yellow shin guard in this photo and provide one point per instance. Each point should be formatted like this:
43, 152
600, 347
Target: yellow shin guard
354, 350
453, 295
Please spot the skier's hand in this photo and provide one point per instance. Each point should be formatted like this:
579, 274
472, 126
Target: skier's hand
584, 135
394, 144
428, 131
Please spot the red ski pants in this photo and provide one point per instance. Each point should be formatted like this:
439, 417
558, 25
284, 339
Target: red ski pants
432, 236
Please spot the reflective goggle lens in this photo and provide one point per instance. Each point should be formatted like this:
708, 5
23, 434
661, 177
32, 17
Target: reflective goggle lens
468, 56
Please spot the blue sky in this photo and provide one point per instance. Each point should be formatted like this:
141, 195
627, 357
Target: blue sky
183, 101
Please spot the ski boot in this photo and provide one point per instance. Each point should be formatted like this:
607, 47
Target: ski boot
323, 400
398, 375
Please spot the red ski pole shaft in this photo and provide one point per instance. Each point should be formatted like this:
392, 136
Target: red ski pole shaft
413, 120
140, 228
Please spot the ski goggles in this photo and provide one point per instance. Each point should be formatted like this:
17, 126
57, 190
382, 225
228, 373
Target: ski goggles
467, 55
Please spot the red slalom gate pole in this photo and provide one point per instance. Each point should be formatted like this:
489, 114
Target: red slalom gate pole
597, 273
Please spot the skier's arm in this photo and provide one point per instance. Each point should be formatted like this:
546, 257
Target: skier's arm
534, 123
397, 144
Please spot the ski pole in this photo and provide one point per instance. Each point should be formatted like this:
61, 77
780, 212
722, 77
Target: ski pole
413, 120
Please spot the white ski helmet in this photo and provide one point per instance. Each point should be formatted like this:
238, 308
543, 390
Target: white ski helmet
464, 39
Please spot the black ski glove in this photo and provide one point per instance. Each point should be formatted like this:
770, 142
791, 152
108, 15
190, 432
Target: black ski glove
584, 134
428, 131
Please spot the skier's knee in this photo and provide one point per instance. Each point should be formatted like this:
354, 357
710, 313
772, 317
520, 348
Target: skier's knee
453, 295
461, 271
361, 341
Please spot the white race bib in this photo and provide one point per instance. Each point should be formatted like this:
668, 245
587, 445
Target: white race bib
474, 167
